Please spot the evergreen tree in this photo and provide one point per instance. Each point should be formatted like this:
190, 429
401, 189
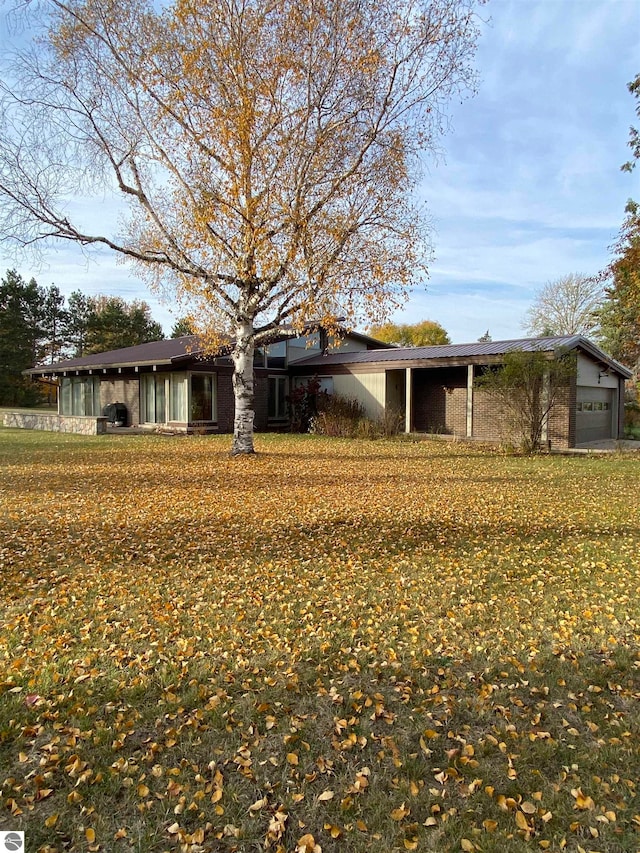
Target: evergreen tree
77, 322
54, 326
21, 313
182, 326
114, 323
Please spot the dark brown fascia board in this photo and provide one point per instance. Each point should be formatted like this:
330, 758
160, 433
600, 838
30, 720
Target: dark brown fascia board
300, 369
383, 366
52, 370
60, 370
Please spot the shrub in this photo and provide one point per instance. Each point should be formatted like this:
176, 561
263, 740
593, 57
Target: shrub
303, 404
344, 417
339, 417
390, 423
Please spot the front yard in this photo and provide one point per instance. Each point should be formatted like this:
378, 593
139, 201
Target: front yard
334, 646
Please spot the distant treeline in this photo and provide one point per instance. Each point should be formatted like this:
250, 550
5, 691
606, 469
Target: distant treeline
39, 326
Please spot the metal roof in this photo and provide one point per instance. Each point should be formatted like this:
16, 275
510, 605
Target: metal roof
165, 352
449, 352
173, 350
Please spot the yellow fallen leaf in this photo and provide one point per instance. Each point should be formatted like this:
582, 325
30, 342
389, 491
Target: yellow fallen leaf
467, 846
400, 813
581, 800
51, 821
326, 795
307, 844
292, 758
90, 835
333, 830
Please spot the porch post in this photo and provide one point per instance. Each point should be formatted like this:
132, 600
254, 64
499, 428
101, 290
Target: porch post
408, 398
470, 401
546, 391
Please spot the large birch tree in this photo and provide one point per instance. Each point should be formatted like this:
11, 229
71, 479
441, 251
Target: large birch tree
267, 151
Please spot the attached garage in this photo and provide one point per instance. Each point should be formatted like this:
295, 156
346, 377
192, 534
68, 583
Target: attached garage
435, 386
596, 409
599, 399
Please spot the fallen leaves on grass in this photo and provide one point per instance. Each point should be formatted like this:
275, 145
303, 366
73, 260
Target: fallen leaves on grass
336, 645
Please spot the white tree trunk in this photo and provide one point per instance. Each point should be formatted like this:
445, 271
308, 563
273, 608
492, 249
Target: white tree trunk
243, 389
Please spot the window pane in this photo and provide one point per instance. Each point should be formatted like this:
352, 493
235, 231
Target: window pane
88, 396
201, 397
96, 396
179, 397
277, 355
65, 397
282, 390
78, 397
154, 399
276, 403
160, 401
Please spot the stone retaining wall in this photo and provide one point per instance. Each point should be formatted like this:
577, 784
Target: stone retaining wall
83, 425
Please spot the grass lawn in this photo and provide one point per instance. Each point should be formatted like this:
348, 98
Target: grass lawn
334, 646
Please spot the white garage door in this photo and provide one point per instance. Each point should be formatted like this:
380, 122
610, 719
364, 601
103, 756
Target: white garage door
595, 413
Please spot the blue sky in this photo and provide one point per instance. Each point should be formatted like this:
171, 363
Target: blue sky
528, 187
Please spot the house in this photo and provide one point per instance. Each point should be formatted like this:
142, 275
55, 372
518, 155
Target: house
170, 384
434, 387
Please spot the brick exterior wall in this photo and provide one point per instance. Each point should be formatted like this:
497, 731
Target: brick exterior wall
440, 401
491, 425
561, 430
260, 399
226, 405
122, 390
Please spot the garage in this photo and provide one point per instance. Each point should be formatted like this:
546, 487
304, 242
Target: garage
595, 412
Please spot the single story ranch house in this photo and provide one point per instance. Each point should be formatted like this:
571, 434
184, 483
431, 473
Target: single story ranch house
170, 384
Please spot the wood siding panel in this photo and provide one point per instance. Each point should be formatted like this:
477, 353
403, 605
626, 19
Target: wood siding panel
367, 388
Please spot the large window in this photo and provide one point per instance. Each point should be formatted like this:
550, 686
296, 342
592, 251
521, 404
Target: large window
277, 355
203, 402
277, 404
178, 397
80, 395
154, 398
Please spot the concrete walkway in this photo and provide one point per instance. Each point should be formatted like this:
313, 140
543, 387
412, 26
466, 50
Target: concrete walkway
610, 445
